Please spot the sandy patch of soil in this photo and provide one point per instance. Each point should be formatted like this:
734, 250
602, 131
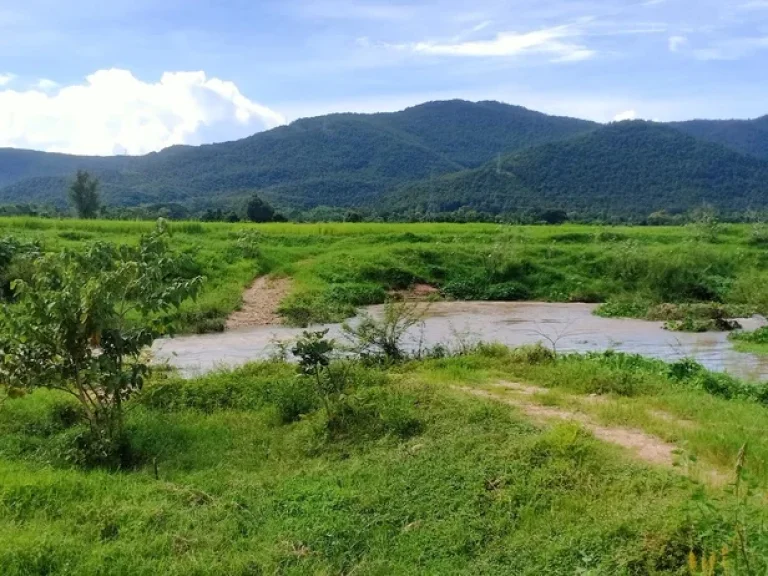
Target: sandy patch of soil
260, 302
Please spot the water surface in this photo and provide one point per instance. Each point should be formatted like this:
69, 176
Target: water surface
572, 327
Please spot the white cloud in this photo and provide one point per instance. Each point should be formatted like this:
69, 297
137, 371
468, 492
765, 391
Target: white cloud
46, 84
627, 115
114, 112
6, 79
551, 41
677, 42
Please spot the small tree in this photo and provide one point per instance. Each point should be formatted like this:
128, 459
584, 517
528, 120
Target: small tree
554, 216
82, 321
259, 211
84, 195
314, 353
384, 337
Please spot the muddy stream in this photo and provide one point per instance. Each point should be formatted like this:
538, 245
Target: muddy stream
573, 326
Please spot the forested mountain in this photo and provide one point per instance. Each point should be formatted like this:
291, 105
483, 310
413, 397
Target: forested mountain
340, 159
745, 136
628, 168
435, 157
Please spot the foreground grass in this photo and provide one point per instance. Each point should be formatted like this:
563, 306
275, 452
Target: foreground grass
338, 267
423, 480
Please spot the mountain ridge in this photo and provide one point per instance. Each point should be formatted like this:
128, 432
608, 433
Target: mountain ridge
626, 168
363, 160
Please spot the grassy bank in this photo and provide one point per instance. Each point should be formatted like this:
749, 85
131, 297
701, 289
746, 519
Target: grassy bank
242, 473
338, 267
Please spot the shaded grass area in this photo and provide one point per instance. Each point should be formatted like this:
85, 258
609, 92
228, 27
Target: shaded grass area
239, 474
339, 267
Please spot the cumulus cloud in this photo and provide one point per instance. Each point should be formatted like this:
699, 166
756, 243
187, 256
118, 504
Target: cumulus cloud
114, 112
556, 42
627, 115
6, 79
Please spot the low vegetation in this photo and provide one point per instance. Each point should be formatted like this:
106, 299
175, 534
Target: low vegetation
337, 268
249, 472
361, 456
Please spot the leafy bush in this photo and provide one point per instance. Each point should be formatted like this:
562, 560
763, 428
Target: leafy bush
82, 322
372, 413
533, 354
294, 398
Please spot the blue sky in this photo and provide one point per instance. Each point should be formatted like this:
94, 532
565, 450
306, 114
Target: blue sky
104, 77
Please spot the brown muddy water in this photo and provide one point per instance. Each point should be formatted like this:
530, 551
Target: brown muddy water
572, 326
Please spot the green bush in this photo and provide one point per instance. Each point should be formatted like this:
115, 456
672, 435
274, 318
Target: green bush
533, 354
373, 413
293, 398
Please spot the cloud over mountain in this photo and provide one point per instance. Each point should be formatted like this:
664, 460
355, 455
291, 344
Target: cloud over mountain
112, 111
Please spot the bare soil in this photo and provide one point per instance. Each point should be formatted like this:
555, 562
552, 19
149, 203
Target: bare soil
260, 303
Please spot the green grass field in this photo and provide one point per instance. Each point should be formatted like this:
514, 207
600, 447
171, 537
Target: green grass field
431, 466
423, 479
338, 267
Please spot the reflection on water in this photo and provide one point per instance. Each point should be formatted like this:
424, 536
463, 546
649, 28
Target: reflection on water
571, 326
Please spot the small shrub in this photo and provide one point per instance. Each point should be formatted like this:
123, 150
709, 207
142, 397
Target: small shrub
623, 308
494, 350
84, 447
384, 337
372, 414
293, 398
534, 354
685, 369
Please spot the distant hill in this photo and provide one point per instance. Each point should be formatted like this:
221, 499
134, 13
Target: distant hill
745, 136
628, 168
339, 160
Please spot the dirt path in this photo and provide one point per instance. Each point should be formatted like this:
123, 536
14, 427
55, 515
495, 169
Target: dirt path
642, 445
260, 302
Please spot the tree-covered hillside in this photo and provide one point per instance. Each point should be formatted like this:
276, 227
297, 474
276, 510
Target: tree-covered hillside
435, 157
629, 168
745, 136
340, 159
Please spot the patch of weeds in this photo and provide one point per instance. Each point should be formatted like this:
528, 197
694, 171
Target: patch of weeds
759, 336
294, 398
623, 308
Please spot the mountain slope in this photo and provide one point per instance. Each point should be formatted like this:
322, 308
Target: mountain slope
340, 159
472, 135
630, 168
745, 136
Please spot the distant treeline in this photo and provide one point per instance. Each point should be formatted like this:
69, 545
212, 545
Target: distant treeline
173, 211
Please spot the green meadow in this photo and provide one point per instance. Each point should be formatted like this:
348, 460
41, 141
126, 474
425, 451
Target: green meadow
485, 460
336, 268
243, 473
